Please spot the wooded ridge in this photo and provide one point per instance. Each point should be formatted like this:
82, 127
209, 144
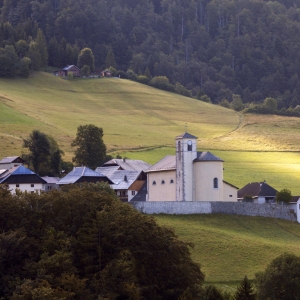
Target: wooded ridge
212, 47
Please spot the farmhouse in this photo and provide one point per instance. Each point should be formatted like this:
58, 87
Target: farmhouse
189, 175
11, 161
23, 179
70, 69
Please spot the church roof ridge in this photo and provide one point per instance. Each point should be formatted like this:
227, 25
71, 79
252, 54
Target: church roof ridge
186, 135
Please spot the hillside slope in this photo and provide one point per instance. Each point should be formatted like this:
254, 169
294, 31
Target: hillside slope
141, 122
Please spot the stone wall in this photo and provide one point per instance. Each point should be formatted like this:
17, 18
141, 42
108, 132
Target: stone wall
206, 207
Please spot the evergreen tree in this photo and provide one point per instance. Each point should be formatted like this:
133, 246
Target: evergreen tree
245, 291
110, 60
42, 48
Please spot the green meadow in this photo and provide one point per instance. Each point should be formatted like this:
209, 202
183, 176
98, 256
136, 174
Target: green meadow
230, 247
141, 122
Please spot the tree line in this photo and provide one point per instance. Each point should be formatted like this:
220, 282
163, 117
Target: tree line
211, 47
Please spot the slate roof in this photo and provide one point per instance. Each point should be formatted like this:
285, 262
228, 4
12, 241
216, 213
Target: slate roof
123, 179
142, 194
9, 159
107, 171
49, 179
165, 164
128, 164
206, 156
18, 171
186, 135
69, 67
79, 172
256, 189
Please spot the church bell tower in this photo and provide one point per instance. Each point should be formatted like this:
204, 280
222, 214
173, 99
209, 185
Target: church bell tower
186, 152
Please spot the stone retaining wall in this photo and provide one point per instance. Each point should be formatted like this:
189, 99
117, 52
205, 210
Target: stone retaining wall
207, 207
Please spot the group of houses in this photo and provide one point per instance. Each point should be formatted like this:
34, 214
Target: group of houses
189, 175
75, 71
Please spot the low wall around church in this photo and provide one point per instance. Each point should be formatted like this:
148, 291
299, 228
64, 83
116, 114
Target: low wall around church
206, 207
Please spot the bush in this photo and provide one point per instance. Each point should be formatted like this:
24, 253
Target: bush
121, 74
181, 90
143, 79
131, 75
162, 82
284, 196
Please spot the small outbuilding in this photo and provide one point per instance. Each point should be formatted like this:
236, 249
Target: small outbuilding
11, 161
70, 69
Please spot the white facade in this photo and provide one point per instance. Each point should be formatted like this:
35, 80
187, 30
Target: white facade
28, 187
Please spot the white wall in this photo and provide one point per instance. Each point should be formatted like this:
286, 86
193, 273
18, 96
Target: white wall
229, 193
9, 166
160, 191
205, 172
27, 187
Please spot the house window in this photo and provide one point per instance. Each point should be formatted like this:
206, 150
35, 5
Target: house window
162, 182
154, 182
216, 183
171, 181
132, 193
190, 145
230, 195
32, 185
17, 185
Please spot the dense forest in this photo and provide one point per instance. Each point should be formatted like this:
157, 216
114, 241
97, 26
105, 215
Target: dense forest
212, 47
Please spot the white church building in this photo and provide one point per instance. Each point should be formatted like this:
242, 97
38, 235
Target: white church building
189, 175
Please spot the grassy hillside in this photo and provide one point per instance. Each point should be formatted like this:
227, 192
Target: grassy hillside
230, 247
141, 122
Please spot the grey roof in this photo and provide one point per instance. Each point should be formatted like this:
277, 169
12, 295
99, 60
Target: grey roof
69, 67
256, 189
17, 171
206, 156
186, 135
128, 164
49, 179
77, 173
107, 171
123, 179
9, 159
167, 163
141, 195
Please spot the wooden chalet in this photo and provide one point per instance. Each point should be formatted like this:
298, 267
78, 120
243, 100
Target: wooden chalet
69, 69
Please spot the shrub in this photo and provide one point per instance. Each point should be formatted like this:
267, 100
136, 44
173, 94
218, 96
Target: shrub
162, 82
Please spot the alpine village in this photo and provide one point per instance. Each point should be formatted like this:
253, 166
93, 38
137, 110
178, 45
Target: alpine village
149, 150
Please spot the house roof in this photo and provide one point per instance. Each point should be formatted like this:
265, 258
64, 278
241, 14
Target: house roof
10, 159
79, 172
123, 179
128, 164
49, 179
17, 171
69, 67
168, 163
230, 184
256, 189
142, 194
206, 156
186, 135
107, 171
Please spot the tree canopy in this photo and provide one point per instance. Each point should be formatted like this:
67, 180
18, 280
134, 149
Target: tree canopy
91, 150
83, 243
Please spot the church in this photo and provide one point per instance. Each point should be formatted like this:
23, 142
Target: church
189, 175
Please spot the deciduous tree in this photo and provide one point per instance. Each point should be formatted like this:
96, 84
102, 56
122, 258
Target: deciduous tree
86, 57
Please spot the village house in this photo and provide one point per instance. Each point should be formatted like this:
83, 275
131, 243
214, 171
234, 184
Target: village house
70, 69
11, 161
23, 179
189, 175
257, 192
83, 174
127, 176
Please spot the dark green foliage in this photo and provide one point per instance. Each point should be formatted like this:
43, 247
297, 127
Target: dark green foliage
280, 280
245, 291
91, 150
83, 243
44, 154
86, 57
85, 70
284, 196
110, 60
212, 293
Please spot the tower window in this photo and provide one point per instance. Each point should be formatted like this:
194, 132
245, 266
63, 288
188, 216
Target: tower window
171, 181
162, 182
154, 182
190, 146
216, 185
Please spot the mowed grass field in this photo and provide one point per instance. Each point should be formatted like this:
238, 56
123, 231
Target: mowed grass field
141, 122
230, 247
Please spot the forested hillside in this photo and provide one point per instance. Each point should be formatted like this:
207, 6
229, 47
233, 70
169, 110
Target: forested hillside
212, 47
